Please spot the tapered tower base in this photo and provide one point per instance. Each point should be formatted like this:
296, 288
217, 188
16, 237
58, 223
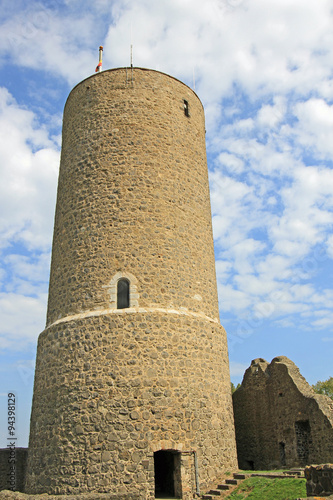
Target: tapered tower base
114, 389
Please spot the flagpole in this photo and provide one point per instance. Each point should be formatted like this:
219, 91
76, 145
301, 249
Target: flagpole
99, 65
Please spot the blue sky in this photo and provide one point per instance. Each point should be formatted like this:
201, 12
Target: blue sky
264, 72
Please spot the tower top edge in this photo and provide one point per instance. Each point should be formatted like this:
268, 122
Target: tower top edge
129, 68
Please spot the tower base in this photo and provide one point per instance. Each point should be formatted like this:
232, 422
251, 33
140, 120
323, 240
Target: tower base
131, 403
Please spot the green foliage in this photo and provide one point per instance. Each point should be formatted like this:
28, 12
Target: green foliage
325, 387
233, 388
262, 488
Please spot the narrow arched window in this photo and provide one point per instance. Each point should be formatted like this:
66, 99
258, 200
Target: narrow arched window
123, 288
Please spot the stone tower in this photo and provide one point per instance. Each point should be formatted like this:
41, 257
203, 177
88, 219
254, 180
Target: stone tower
132, 389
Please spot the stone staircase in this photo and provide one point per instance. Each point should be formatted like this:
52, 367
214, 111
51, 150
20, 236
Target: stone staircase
225, 487
228, 485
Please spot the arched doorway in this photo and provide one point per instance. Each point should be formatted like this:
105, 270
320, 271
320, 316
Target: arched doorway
167, 474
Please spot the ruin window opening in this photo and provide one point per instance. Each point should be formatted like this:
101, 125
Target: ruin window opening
249, 464
282, 451
167, 474
186, 108
303, 433
123, 294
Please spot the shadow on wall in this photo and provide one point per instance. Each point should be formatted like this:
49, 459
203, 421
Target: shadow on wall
13, 462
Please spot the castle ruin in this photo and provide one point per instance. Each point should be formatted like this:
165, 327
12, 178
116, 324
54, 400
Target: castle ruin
280, 421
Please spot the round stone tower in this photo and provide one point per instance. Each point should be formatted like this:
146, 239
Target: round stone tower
132, 389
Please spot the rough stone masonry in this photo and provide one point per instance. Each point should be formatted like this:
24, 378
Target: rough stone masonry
132, 388
279, 420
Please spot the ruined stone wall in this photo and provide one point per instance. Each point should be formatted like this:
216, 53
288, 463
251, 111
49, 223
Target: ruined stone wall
114, 386
279, 419
319, 480
12, 468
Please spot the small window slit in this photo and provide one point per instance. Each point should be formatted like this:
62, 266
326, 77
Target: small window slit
186, 108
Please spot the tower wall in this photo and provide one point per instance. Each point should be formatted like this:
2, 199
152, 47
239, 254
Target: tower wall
113, 386
133, 197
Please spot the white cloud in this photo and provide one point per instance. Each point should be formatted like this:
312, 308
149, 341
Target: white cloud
323, 323
22, 319
230, 203
40, 38
307, 213
315, 126
254, 285
28, 169
29, 268
231, 162
261, 45
232, 299
330, 246
274, 267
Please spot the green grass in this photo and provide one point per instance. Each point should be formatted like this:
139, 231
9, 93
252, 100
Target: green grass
262, 488
271, 471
